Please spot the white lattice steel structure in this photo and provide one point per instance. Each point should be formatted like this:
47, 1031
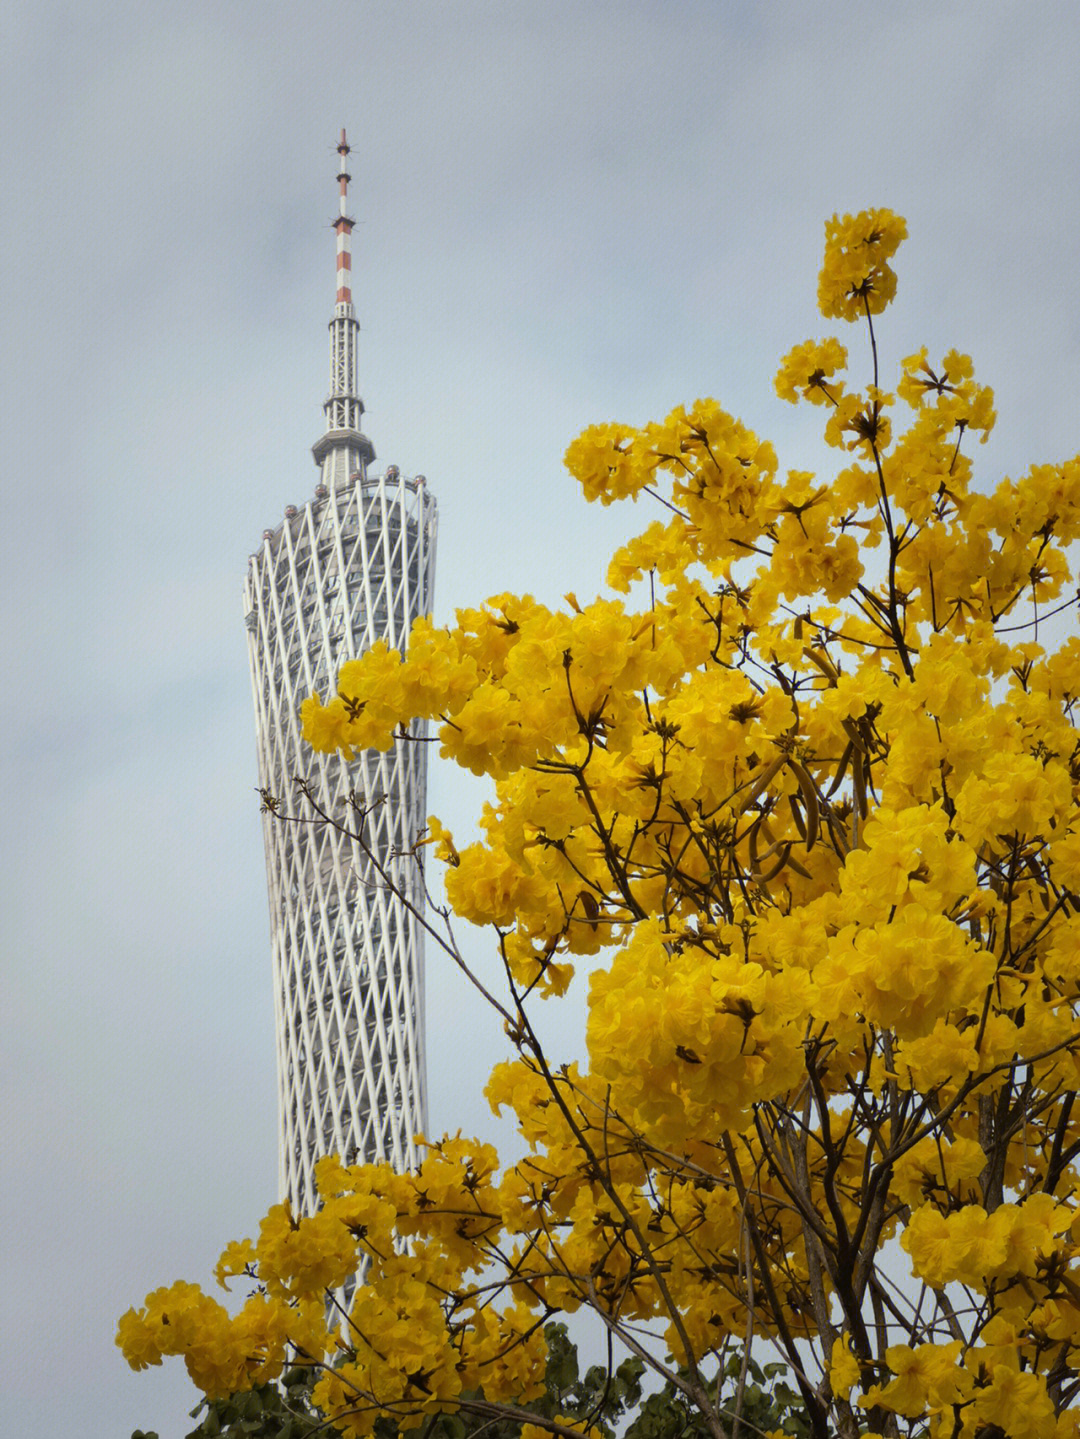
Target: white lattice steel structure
354, 564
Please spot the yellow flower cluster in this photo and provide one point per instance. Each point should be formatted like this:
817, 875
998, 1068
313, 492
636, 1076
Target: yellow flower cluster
972, 1246
806, 373
805, 800
856, 278
223, 1354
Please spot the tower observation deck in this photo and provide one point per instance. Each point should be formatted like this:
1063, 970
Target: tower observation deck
355, 564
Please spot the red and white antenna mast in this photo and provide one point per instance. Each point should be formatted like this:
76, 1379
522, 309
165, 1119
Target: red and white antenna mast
343, 451
344, 227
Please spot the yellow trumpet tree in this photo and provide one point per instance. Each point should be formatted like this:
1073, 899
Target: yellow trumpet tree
804, 806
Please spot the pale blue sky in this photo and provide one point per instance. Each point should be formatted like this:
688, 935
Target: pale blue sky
568, 212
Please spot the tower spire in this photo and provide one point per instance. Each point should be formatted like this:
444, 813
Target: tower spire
344, 227
343, 451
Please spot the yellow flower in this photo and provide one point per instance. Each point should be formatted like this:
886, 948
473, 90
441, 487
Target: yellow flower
608, 464
326, 727
805, 372
962, 1248
136, 1340
925, 1376
1018, 1402
843, 1368
235, 1260
856, 277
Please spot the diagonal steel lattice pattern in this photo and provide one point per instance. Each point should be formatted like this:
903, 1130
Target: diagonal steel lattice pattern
353, 565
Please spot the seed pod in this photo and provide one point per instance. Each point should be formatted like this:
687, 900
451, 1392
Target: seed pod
858, 780
854, 734
763, 876
841, 771
591, 908
821, 661
808, 790
770, 771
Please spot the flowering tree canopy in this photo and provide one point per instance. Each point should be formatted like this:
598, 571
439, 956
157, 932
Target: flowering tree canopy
804, 805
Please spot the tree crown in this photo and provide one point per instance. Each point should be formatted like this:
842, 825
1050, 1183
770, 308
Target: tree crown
801, 795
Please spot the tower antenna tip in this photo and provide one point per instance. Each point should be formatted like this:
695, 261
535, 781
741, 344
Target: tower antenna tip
343, 144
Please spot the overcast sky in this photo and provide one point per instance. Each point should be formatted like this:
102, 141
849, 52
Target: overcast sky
568, 213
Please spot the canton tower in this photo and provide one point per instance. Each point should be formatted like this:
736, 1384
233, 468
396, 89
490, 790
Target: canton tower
355, 564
